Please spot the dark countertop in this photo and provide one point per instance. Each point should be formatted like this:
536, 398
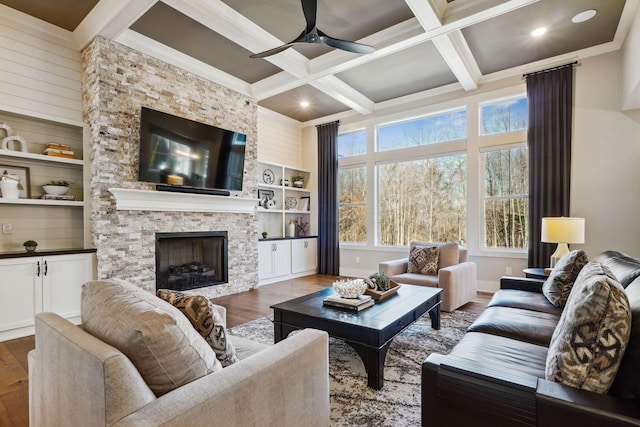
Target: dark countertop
48, 252
286, 238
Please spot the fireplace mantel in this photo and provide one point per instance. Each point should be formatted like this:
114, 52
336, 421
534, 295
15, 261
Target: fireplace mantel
128, 199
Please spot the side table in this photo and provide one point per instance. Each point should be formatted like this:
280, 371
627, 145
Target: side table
535, 273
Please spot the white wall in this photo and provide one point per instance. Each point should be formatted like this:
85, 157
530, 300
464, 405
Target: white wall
40, 71
631, 65
605, 180
279, 139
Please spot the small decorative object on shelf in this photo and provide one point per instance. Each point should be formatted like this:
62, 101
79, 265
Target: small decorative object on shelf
284, 182
291, 229
10, 185
290, 202
57, 187
298, 181
350, 288
268, 176
30, 245
302, 227
264, 234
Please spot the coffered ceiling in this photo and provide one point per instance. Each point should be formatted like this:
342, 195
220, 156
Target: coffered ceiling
422, 45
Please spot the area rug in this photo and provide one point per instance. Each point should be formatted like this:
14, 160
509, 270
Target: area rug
398, 403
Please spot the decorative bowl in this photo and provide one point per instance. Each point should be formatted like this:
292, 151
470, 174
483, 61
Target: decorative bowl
57, 190
351, 288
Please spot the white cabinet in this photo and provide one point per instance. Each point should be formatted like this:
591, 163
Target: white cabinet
273, 259
304, 255
29, 285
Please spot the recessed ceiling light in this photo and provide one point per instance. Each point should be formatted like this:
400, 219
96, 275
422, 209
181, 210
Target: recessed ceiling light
584, 16
538, 32
304, 104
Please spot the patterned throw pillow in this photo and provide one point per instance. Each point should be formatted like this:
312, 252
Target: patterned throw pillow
423, 259
559, 283
593, 332
206, 320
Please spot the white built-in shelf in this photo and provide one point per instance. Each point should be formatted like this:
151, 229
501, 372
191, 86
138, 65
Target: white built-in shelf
282, 187
150, 200
42, 202
40, 157
287, 211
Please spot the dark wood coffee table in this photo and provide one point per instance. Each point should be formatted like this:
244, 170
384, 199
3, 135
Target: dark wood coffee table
370, 331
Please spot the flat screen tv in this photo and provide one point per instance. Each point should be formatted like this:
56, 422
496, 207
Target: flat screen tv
185, 153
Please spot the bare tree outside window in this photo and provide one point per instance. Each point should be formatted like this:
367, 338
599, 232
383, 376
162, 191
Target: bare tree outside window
423, 200
352, 188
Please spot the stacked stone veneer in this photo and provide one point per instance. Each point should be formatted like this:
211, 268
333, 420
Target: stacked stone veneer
117, 81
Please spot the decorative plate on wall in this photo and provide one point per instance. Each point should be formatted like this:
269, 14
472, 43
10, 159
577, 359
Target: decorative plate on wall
290, 202
268, 177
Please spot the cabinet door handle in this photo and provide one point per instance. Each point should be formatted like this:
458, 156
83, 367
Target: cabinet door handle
38, 271
46, 268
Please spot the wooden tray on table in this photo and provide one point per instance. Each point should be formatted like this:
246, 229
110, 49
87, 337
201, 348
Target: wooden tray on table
380, 295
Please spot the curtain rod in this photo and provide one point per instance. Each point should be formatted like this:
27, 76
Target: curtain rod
329, 123
559, 67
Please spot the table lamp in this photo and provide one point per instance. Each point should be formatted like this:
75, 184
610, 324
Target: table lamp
562, 230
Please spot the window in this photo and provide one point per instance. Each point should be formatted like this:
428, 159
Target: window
352, 189
504, 116
434, 129
506, 201
422, 200
352, 144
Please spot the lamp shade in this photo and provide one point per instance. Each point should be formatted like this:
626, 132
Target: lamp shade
562, 230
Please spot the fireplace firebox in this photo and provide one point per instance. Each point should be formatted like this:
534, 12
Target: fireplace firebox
191, 260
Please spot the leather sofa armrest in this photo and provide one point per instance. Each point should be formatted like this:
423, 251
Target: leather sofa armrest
394, 267
463, 392
560, 405
521, 283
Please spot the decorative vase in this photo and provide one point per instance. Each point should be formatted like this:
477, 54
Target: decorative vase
10, 186
57, 190
30, 248
291, 229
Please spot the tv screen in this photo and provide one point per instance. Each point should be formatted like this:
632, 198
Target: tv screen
183, 152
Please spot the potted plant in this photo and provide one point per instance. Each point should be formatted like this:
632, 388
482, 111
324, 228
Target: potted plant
264, 234
298, 181
30, 245
57, 187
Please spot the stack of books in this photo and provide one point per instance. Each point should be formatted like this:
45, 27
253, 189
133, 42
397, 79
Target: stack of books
59, 150
353, 304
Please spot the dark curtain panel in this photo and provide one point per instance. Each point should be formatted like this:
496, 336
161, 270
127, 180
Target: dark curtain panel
550, 94
328, 244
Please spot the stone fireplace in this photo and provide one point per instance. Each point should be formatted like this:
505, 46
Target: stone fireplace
191, 260
126, 215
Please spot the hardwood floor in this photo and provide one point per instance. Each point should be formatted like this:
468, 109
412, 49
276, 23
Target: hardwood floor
241, 308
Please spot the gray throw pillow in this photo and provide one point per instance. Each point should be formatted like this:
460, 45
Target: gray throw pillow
592, 335
558, 285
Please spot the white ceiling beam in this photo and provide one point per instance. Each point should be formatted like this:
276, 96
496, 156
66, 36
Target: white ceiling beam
234, 26
344, 93
109, 19
171, 56
426, 13
455, 51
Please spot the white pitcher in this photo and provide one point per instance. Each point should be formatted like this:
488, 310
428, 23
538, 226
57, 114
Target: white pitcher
10, 186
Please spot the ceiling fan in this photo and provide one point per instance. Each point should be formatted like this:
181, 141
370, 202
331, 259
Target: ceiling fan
311, 34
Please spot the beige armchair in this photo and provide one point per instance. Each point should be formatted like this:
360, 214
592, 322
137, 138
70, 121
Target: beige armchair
455, 275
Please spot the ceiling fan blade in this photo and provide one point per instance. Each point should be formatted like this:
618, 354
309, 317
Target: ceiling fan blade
272, 51
310, 9
346, 45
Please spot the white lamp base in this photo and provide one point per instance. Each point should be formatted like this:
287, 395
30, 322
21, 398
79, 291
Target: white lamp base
561, 251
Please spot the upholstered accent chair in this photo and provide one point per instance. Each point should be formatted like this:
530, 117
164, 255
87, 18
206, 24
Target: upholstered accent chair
437, 265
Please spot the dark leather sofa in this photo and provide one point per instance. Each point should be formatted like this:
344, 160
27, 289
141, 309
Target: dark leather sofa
495, 375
